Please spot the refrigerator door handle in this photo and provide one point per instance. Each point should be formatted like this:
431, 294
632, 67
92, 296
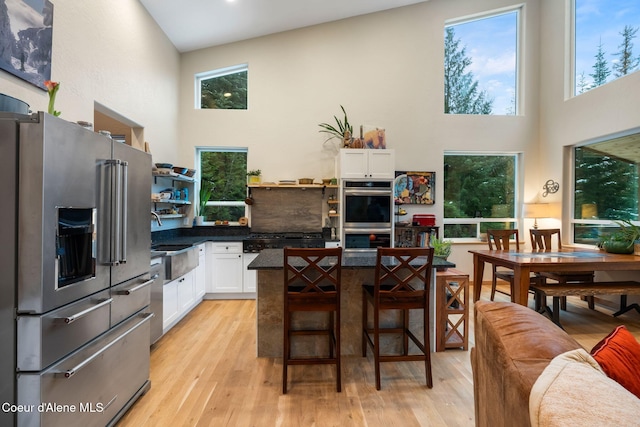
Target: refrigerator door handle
124, 218
116, 211
138, 287
70, 319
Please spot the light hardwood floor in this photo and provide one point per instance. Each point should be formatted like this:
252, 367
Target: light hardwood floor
204, 373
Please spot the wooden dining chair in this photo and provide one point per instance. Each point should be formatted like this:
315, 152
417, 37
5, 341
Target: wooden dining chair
401, 283
312, 284
500, 240
542, 241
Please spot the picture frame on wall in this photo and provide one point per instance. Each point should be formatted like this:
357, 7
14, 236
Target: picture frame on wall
30, 25
417, 188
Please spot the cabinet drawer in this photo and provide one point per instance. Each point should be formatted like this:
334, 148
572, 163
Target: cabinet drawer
226, 248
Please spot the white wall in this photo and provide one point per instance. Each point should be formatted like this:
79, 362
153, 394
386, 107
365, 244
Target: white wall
113, 53
385, 68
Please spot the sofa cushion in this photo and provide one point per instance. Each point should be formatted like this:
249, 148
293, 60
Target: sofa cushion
573, 390
619, 356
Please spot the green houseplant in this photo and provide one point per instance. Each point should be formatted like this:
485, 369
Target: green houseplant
441, 247
623, 240
206, 189
340, 129
254, 176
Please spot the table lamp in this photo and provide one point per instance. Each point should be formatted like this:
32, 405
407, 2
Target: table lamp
535, 211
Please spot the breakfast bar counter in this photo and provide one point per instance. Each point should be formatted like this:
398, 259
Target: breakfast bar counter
356, 270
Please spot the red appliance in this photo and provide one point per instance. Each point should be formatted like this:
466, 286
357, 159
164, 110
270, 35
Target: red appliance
424, 220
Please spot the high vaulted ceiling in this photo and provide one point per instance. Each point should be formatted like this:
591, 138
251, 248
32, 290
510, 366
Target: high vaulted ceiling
195, 24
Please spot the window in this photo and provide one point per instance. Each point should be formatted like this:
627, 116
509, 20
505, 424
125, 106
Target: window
480, 65
605, 187
225, 88
224, 170
605, 32
479, 194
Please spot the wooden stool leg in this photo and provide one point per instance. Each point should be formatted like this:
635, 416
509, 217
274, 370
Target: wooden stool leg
365, 309
338, 354
285, 351
427, 347
376, 344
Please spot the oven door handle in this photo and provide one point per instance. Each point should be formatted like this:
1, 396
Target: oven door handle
138, 287
72, 371
359, 192
70, 319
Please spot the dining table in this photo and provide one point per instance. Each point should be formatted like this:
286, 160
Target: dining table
524, 262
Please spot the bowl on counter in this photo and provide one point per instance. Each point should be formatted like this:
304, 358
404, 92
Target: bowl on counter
164, 165
305, 181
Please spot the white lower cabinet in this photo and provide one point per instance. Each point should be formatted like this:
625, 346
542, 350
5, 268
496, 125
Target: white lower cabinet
226, 272
169, 305
250, 277
178, 299
200, 273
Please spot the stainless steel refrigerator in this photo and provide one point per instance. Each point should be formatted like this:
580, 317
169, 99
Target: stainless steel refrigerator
74, 293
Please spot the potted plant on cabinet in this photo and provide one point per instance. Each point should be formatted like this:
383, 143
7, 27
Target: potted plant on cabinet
254, 176
206, 188
343, 131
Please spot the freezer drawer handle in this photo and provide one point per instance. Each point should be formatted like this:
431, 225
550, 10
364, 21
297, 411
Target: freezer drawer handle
70, 319
70, 372
137, 288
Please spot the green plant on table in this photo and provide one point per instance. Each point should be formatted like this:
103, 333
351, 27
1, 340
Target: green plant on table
441, 247
622, 240
255, 172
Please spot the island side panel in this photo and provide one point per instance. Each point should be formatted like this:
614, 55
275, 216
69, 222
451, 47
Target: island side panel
270, 306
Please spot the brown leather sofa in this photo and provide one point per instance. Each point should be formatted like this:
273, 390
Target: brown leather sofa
513, 345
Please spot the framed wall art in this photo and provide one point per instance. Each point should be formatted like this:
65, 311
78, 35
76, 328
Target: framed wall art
414, 188
29, 27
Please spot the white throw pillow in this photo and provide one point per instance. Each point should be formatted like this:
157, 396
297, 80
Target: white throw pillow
574, 391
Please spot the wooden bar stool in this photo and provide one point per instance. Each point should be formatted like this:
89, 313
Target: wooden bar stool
402, 282
312, 283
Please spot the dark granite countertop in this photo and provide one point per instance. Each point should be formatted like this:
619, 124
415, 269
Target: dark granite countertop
272, 259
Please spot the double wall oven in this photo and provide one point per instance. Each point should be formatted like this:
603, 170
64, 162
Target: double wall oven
367, 216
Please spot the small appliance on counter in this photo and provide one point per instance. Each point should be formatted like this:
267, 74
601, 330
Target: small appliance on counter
424, 220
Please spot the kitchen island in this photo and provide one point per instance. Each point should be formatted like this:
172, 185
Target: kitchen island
356, 270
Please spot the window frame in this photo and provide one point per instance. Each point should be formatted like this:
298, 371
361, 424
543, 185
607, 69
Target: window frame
517, 195
212, 74
198, 161
571, 60
569, 217
519, 45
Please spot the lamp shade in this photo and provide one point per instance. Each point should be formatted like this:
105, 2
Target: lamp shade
537, 210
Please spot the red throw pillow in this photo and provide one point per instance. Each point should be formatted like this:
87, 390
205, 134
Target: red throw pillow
618, 354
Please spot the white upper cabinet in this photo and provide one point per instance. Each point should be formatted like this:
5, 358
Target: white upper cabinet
356, 163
